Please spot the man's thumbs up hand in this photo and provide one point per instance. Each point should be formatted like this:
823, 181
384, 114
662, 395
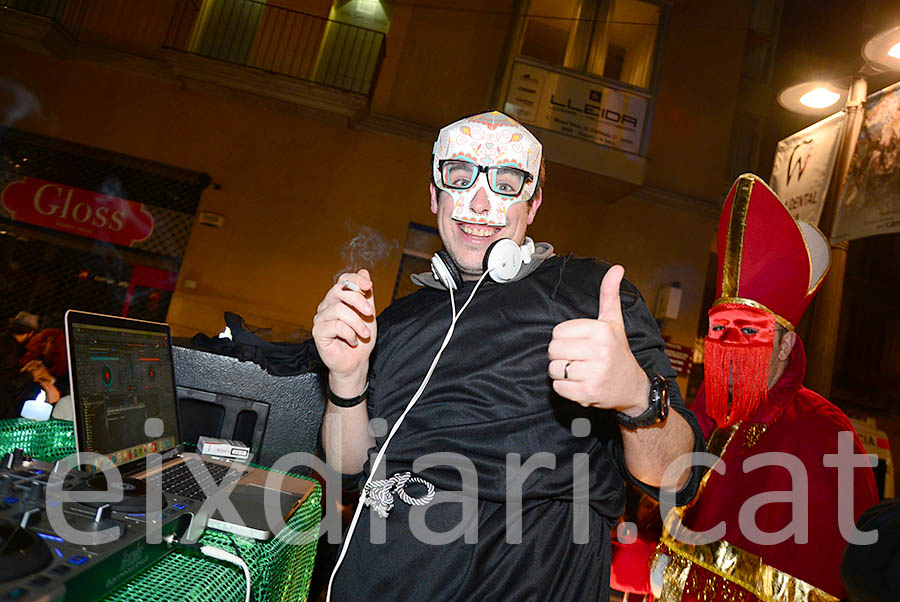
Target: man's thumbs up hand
610, 303
590, 360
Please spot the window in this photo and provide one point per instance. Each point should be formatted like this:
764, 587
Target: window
611, 38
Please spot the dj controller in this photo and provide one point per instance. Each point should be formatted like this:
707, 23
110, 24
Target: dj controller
37, 562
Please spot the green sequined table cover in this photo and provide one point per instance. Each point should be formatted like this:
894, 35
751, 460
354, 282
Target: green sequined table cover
280, 568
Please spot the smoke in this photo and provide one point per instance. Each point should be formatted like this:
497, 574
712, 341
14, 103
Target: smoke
16, 103
365, 249
113, 187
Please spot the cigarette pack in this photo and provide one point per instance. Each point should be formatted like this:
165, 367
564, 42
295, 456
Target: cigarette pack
223, 448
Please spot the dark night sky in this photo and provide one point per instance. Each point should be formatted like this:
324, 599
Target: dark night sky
821, 39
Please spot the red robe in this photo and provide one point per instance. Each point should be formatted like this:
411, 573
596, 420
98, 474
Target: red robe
793, 420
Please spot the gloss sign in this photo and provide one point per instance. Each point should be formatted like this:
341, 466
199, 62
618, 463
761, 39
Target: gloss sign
577, 107
77, 211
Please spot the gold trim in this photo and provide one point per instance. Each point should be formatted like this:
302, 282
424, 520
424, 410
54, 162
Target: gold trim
734, 238
744, 301
754, 432
674, 578
742, 568
739, 567
716, 444
719, 440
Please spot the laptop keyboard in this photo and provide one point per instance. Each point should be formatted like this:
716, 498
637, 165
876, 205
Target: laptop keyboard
179, 480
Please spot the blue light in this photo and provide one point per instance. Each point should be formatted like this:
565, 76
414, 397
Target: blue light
55, 538
10, 500
179, 506
58, 552
78, 559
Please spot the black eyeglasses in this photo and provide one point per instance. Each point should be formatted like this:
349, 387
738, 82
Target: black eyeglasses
502, 179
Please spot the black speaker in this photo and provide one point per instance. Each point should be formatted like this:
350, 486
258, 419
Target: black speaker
224, 397
203, 413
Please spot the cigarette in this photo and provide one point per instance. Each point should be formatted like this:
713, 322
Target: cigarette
350, 286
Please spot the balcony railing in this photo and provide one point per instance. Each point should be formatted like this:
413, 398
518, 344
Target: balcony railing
69, 15
244, 32
278, 40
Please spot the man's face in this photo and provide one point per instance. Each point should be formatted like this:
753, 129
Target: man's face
468, 242
774, 361
748, 328
739, 359
774, 372
24, 337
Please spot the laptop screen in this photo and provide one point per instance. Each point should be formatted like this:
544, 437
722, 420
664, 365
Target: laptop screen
122, 374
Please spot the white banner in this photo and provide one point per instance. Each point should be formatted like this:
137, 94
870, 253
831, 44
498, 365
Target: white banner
870, 199
803, 165
577, 107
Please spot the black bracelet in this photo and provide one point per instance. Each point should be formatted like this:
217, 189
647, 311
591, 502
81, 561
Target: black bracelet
347, 402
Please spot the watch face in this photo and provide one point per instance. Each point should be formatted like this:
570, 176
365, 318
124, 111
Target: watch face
657, 409
664, 409
661, 398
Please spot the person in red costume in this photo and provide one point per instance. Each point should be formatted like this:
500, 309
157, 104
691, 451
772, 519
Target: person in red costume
765, 526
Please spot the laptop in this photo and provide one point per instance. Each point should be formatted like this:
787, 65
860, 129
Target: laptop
121, 373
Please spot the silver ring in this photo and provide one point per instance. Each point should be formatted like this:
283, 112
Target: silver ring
566, 371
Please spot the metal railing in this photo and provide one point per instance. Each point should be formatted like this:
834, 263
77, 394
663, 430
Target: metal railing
69, 15
244, 32
134, 27
52, 9
278, 40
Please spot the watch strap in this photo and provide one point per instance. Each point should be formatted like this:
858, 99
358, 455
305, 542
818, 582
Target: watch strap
657, 407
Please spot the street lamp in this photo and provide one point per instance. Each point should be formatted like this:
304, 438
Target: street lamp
883, 50
813, 98
881, 54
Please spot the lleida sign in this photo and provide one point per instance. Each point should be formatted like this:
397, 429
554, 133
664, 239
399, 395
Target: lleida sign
576, 107
76, 211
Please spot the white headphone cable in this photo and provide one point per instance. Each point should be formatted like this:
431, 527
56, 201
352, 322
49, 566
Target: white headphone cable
219, 554
412, 402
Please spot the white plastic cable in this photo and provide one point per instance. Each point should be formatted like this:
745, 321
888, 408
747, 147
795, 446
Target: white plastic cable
412, 402
220, 554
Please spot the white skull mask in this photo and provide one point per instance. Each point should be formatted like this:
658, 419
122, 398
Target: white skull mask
504, 157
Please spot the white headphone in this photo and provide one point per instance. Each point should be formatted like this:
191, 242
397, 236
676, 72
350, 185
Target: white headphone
503, 260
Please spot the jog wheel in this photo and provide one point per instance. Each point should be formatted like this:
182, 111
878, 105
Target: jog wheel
134, 491
22, 552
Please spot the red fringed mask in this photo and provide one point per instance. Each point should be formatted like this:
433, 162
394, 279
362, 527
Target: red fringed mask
738, 348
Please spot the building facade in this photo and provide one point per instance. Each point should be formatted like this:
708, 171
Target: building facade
314, 121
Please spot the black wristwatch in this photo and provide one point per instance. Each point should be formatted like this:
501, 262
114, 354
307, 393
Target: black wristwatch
657, 410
